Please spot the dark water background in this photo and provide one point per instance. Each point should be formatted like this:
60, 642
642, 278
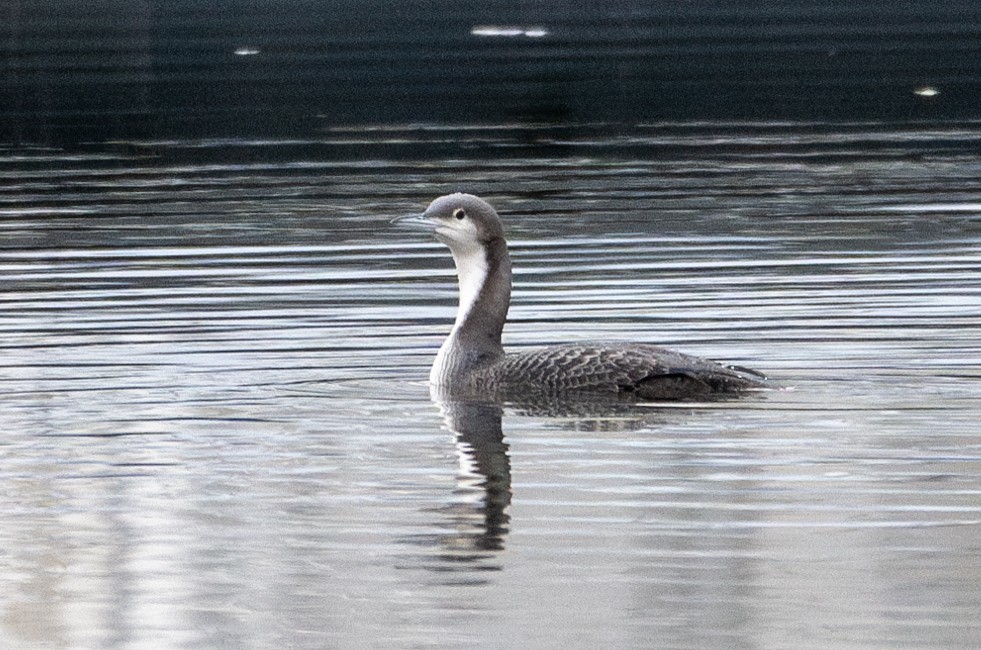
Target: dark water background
94, 71
217, 428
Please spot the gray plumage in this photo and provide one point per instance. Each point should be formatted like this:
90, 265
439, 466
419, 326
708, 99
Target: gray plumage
644, 371
472, 363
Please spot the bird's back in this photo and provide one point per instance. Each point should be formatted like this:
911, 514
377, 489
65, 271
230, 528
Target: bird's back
641, 371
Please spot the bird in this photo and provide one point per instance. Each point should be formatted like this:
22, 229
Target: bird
472, 363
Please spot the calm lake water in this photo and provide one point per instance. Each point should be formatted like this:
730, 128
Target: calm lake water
218, 430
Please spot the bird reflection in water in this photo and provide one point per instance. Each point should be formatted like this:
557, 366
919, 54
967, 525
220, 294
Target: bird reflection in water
483, 491
475, 519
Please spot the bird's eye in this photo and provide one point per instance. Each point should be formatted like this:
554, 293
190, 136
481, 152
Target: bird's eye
460, 214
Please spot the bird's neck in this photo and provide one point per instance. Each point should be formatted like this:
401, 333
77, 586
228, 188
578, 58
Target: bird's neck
484, 273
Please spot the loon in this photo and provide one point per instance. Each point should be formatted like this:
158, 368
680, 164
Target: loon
472, 363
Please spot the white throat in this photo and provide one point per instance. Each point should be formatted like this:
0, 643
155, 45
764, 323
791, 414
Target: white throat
471, 269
